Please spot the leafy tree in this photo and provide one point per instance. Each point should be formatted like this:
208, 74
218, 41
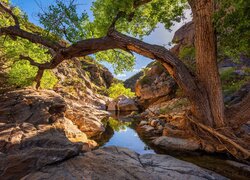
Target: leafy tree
118, 89
20, 72
233, 27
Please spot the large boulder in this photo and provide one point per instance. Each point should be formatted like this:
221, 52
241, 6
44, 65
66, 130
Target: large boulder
183, 37
176, 144
122, 103
120, 163
35, 133
127, 104
155, 86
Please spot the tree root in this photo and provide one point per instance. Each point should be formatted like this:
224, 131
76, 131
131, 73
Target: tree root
222, 138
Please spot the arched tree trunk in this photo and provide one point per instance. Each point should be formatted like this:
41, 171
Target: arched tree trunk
206, 58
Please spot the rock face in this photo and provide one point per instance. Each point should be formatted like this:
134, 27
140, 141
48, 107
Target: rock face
183, 37
123, 164
122, 103
99, 74
83, 104
35, 133
155, 86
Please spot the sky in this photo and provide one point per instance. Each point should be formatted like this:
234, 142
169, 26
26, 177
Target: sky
159, 36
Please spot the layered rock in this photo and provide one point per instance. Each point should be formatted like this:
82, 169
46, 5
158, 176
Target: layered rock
183, 37
122, 164
98, 74
122, 103
155, 86
34, 132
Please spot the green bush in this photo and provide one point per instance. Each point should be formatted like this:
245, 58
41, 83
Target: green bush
22, 74
231, 81
117, 89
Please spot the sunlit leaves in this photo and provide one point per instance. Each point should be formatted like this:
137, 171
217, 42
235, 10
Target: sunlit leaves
233, 27
64, 21
139, 21
20, 72
121, 60
118, 89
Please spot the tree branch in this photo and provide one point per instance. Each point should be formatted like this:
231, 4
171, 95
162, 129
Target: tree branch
15, 18
15, 31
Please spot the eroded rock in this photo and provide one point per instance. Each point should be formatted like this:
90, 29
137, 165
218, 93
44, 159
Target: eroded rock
123, 164
35, 133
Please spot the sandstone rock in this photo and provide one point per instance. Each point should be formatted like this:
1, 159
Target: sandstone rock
183, 37
155, 86
112, 106
154, 122
176, 144
122, 103
119, 163
142, 123
35, 133
147, 128
127, 104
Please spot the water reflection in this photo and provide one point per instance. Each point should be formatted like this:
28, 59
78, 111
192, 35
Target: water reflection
124, 134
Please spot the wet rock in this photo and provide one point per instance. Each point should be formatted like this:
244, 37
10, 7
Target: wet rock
179, 144
123, 164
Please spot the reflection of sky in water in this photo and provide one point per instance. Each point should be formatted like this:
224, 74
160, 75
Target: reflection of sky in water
129, 139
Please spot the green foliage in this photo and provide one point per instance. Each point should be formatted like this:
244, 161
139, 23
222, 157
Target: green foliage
120, 60
231, 81
118, 89
49, 80
233, 27
187, 55
139, 21
118, 125
63, 20
20, 72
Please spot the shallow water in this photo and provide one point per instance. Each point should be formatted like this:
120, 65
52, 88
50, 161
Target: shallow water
129, 138
121, 131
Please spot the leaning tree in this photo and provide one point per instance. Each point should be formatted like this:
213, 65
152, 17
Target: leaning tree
109, 34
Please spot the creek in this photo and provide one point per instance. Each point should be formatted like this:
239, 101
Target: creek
123, 132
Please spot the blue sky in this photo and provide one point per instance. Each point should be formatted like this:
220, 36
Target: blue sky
160, 36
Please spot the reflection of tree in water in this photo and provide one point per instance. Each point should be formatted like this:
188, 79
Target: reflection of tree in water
118, 125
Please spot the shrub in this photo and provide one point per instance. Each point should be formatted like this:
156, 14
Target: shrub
118, 89
22, 74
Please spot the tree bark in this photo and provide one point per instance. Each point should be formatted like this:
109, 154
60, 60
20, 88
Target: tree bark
206, 58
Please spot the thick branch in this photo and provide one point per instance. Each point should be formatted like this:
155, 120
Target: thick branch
15, 31
11, 14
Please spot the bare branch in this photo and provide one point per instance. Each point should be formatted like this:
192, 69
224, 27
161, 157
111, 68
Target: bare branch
9, 11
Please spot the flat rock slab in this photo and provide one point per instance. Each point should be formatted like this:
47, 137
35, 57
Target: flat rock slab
120, 163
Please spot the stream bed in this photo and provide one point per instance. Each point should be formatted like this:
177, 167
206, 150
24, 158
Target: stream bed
121, 131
